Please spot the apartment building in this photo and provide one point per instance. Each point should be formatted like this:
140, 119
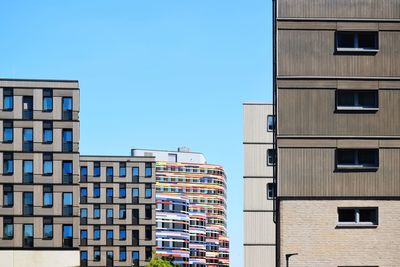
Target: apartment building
39, 163
185, 173
337, 95
117, 210
259, 186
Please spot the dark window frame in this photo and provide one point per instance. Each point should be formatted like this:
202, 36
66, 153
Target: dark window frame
355, 48
357, 165
357, 106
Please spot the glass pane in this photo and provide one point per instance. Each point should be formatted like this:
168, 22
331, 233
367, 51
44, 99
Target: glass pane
135, 192
97, 213
109, 192
135, 255
67, 198
368, 99
345, 39
84, 255
67, 135
67, 103
84, 171
83, 192
67, 230
48, 199
368, 215
48, 167
28, 230
347, 215
28, 198
47, 103
28, 166
346, 99
48, 135
83, 234
8, 135
48, 230
367, 40
110, 234
84, 213
135, 171
8, 230
109, 213
367, 157
28, 135
8, 102
67, 167
346, 157
122, 171
96, 171
110, 171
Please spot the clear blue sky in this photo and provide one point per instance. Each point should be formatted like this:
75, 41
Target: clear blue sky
153, 73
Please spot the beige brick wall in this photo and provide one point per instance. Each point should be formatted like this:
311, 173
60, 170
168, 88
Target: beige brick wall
308, 227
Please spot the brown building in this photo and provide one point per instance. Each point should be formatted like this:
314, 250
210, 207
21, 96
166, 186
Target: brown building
39, 163
117, 210
337, 101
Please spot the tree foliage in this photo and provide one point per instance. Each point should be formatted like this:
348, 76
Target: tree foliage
160, 262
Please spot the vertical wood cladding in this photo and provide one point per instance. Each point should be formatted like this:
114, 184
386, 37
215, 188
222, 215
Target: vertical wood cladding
310, 172
313, 112
368, 9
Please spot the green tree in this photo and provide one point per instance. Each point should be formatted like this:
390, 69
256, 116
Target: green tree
161, 262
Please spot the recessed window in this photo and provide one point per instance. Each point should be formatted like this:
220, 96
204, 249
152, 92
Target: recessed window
47, 228
357, 158
96, 190
47, 100
67, 204
122, 211
148, 191
67, 108
357, 100
135, 174
271, 191
148, 169
8, 228
47, 132
47, 164
84, 173
96, 169
122, 169
271, 157
27, 138
27, 203
96, 211
357, 216
347, 41
67, 143
96, 232
8, 103
47, 196
8, 196
27, 107
271, 121
122, 191
8, 131
96, 254
8, 163
27, 171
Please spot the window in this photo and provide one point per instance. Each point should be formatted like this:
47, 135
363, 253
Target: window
148, 234
135, 174
47, 228
357, 158
8, 196
84, 236
109, 194
8, 131
8, 163
122, 232
148, 169
135, 258
271, 121
83, 194
110, 235
67, 144
47, 164
135, 195
357, 100
47, 132
109, 174
67, 172
8, 99
122, 211
135, 237
28, 236
27, 171
122, 254
96, 169
135, 216
110, 258
83, 215
357, 216
96, 190
27, 108
28, 203
67, 236
96, 254
148, 212
84, 174
96, 232
84, 258
148, 191
67, 204
148, 252
67, 108
47, 100
96, 211
271, 157
122, 169
8, 227
271, 191
27, 139
347, 41
47, 196
122, 191
110, 216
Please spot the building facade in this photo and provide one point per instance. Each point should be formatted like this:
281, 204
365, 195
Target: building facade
185, 173
117, 210
338, 135
39, 190
259, 187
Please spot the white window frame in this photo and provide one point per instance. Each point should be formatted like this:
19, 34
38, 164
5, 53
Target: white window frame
357, 222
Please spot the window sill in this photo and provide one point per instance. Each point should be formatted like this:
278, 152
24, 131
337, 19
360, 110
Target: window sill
356, 167
360, 109
356, 50
344, 226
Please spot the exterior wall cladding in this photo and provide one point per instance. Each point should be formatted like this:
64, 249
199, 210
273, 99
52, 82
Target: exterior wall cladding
338, 132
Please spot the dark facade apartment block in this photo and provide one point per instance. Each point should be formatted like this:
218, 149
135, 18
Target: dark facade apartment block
117, 210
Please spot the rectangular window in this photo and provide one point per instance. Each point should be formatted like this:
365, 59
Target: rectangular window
271, 191
47, 132
47, 164
67, 236
135, 216
8, 103
357, 100
28, 236
271, 157
96, 190
122, 254
148, 169
83, 216
84, 258
96, 254
109, 216
122, 169
8, 228
122, 211
84, 237
84, 174
67, 108
96, 232
8, 131
357, 216
27, 138
27, 108
122, 191
109, 174
47, 196
27, 166
109, 195
348, 41
47, 228
67, 143
135, 195
96, 211
148, 191
110, 237
148, 233
84, 194
8, 196
28, 203
67, 172
96, 169
67, 204
148, 212
135, 174
271, 121
357, 158
148, 252
47, 100
135, 237
8, 163
122, 232
135, 258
